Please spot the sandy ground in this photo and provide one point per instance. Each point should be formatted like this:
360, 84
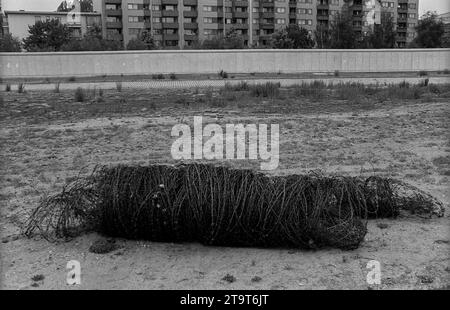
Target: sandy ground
47, 138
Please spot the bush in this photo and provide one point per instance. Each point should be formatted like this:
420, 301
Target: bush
56, 90
119, 86
8, 87
8, 43
80, 95
223, 74
21, 88
158, 76
269, 89
423, 73
241, 86
172, 76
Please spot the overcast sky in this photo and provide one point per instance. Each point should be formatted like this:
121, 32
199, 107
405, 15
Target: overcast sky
441, 6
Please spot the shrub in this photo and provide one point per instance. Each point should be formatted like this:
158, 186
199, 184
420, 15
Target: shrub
158, 76
8, 43
223, 74
56, 89
446, 71
336, 73
269, 89
72, 79
80, 95
8, 87
241, 86
21, 88
423, 73
172, 76
119, 86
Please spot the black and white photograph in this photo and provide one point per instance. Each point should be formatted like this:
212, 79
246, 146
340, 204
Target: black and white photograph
230, 152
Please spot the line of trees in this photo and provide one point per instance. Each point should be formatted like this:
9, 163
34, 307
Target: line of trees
52, 35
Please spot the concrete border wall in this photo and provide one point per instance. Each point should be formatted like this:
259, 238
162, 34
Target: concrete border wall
68, 64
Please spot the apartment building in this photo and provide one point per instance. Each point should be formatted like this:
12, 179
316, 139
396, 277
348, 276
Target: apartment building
18, 22
180, 23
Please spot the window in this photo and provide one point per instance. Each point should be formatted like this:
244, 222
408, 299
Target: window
281, 21
228, 9
412, 15
170, 8
135, 19
281, 10
255, 20
412, 5
156, 7
132, 6
411, 25
305, 11
111, 7
168, 20
305, 22
335, 2
134, 31
156, 19
207, 20
305, 1
228, 21
255, 10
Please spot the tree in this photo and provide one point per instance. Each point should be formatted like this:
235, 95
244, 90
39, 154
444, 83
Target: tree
292, 36
340, 34
144, 41
47, 36
383, 35
92, 41
85, 6
8, 43
322, 36
231, 40
430, 31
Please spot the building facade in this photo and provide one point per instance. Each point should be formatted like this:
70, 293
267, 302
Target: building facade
181, 23
18, 22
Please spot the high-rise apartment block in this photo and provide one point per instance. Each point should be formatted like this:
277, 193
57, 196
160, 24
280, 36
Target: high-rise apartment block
181, 23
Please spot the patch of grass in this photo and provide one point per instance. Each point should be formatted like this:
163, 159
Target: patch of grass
158, 76
229, 278
56, 89
315, 90
119, 86
269, 89
241, 86
21, 88
102, 246
80, 95
256, 279
38, 277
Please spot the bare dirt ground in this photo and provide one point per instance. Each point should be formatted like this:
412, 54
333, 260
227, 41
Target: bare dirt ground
47, 138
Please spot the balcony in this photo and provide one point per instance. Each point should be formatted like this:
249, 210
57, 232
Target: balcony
166, 13
240, 14
190, 13
171, 36
114, 25
190, 37
175, 2
267, 4
170, 25
241, 3
267, 26
190, 2
323, 6
113, 12
268, 15
240, 26
113, 1
323, 17
190, 25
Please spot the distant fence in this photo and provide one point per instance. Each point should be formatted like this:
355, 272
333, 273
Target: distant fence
77, 64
